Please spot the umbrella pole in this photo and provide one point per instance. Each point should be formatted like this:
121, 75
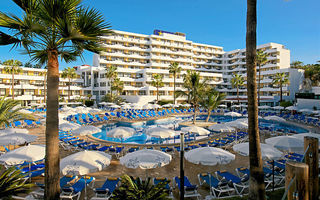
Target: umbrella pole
29, 172
85, 187
181, 166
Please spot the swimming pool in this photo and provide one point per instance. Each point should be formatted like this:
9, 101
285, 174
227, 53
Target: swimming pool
173, 122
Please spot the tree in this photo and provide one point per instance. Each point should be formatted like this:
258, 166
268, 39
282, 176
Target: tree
136, 189
261, 60
47, 31
280, 79
117, 85
111, 74
157, 81
69, 73
13, 182
297, 64
28, 65
236, 82
257, 187
174, 69
12, 67
211, 99
194, 90
10, 112
313, 73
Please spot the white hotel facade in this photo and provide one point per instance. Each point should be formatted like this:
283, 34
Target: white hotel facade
138, 56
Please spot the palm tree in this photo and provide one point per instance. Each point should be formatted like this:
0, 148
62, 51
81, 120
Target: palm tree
261, 60
297, 64
174, 69
256, 187
13, 182
117, 85
47, 31
111, 74
10, 111
236, 82
136, 189
194, 90
280, 79
12, 67
157, 81
69, 73
211, 99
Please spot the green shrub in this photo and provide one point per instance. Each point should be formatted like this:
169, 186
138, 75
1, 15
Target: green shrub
163, 102
286, 103
89, 103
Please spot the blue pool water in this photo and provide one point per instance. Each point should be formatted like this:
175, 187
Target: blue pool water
141, 138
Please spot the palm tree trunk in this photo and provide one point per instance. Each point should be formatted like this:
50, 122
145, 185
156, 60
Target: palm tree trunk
12, 83
257, 187
280, 92
52, 169
174, 89
238, 95
157, 94
44, 88
111, 90
194, 113
209, 113
69, 90
259, 87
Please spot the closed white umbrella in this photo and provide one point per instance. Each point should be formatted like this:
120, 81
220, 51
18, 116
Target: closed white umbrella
160, 132
267, 151
209, 156
85, 162
286, 143
146, 159
195, 129
28, 153
86, 130
233, 114
275, 118
121, 132
237, 124
221, 128
68, 126
16, 138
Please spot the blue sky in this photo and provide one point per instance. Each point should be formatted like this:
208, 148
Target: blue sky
294, 23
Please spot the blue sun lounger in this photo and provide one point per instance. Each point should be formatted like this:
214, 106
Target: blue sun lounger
156, 181
217, 188
66, 179
76, 189
189, 189
106, 190
239, 184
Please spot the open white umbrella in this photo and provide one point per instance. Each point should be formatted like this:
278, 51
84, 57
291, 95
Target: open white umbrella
126, 106
286, 143
209, 156
14, 130
233, 114
291, 108
85, 162
121, 132
86, 130
160, 132
222, 106
235, 106
136, 106
267, 151
16, 138
146, 159
221, 128
169, 105
186, 105
275, 118
155, 106
278, 107
147, 106
301, 136
195, 129
28, 153
306, 110
237, 124
68, 126
264, 107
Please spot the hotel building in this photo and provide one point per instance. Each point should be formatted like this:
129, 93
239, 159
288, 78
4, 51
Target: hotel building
138, 57
30, 86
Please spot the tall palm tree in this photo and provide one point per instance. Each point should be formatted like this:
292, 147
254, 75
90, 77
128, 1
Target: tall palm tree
69, 73
236, 82
280, 79
297, 64
174, 69
261, 60
47, 31
194, 90
136, 189
117, 85
111, 74
157, 81
257, 187
13, 182
211, 99
10, 112
12, 67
